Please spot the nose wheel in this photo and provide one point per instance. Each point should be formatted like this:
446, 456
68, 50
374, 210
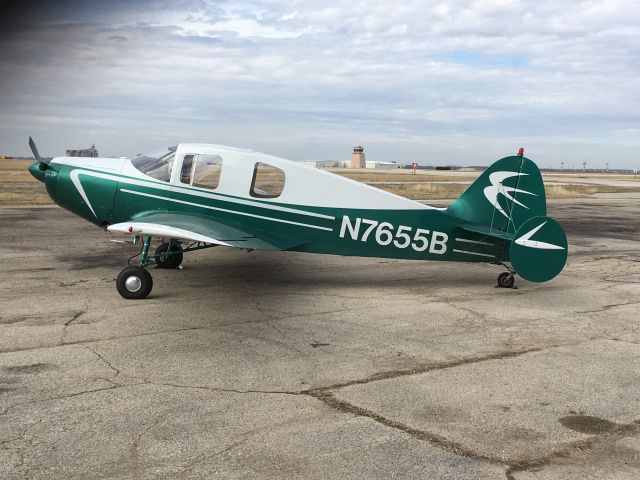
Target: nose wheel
134, 283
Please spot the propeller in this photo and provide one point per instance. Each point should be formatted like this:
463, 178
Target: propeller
43, 162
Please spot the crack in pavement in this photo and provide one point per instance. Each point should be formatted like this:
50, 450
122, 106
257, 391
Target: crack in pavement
106, 339
444, 300
15, 439
70, 395
104, 360
112, 382
76, 394
326, 395
473, 316
343, 406
162, 332
427, 367
221, 389
621, 431
608, 307
77, 315
318, 392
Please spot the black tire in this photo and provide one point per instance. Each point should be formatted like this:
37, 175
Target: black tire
163, 260
506, 280
134, 283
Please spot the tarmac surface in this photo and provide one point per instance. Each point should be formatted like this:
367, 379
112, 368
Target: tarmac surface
286, 365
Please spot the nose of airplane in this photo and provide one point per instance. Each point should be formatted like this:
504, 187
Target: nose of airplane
84, 186
36, 171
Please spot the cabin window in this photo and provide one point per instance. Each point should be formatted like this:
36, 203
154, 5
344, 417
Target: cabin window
187, 169
157, 164
207, 171
268, 181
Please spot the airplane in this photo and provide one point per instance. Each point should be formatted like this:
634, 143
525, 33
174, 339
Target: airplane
194, 196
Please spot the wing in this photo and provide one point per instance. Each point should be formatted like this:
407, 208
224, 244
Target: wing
203, 229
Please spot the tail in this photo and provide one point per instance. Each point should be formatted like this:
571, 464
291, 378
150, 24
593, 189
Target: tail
506, 195
507, 205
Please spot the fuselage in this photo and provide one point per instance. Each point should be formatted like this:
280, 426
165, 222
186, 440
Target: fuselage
325, 212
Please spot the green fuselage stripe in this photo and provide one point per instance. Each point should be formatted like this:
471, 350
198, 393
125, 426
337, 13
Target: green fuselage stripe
235, 212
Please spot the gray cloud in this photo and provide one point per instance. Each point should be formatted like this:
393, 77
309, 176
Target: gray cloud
437, 82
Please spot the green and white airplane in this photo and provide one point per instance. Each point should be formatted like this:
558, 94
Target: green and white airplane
196, 196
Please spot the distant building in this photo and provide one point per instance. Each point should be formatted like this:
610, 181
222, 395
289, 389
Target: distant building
85, 152
325, 163
357, 161
383, 165
357, 158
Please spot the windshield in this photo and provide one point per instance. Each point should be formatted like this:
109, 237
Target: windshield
156, 164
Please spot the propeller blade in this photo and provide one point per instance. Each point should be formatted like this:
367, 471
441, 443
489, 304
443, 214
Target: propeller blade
34, 149
43, 163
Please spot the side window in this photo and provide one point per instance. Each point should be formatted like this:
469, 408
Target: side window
207, 171
187, 168
268, 181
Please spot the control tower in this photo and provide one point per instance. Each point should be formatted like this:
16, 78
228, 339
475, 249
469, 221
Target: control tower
357, 158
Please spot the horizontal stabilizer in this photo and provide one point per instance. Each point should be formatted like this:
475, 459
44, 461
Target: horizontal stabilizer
487, 231
539, 250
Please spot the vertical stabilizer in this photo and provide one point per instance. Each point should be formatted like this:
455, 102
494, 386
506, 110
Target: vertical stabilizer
506, 195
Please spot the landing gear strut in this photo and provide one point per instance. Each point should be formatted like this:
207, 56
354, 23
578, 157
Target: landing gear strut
135, 282
506, 280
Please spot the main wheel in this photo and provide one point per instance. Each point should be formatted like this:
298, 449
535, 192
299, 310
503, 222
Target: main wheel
134, 283
506, 280
166, 258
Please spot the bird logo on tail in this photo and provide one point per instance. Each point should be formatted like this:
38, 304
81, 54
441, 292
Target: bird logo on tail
496, 188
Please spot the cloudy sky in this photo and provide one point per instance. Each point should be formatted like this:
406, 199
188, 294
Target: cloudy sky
436, 82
